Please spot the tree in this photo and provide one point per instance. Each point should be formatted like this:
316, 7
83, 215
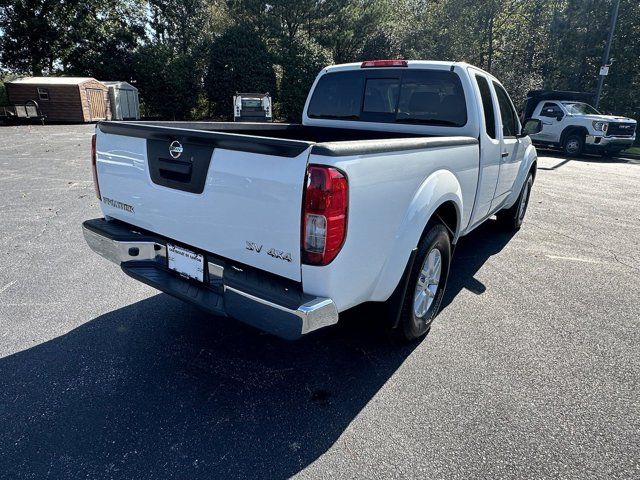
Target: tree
288, 19
348, 25
301, 61
102, 39
169, 84
239, 61
183, 24
32, 35
3, 94
621, 87
170, 65
186, 54
88, 37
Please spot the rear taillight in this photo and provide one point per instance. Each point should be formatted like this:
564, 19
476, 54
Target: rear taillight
94, 167
324, 216
384, 63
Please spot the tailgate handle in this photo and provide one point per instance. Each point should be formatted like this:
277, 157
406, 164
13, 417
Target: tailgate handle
174, 170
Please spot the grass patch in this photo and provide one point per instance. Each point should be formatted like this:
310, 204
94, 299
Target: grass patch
634, 150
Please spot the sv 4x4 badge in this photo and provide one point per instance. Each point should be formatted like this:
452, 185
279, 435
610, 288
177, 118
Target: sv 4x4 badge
272, 252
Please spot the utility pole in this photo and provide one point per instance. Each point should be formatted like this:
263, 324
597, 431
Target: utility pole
607, 50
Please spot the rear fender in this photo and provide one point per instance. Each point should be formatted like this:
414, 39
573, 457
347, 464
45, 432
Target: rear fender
440, 187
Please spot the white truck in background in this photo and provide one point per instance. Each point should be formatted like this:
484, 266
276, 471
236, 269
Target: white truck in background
284, 226
252, 107
570, 123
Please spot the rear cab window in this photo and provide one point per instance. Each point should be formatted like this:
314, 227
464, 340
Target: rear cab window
381, 95
412, 96
337, 96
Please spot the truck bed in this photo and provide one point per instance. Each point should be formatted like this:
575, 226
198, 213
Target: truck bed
288, 131
282, 139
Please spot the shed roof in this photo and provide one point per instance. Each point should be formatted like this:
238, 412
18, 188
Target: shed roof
52, 80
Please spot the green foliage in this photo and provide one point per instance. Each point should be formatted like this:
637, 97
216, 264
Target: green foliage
102, 38
31, 35
170, 83
300, 62
382, 45
189, 57
183, 24
170, 65
4, 78
3, 94
91, 37
239, 62
622, 85
347, 26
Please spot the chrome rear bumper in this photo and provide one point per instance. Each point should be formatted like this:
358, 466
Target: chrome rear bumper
262, 302
125, 251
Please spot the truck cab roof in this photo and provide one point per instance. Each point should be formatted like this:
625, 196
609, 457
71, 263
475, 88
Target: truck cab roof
419, 64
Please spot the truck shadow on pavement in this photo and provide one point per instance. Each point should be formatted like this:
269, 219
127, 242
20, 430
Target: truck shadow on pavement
158, 389
471, 254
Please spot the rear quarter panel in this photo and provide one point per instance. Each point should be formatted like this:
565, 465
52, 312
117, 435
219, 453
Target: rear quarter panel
391, 198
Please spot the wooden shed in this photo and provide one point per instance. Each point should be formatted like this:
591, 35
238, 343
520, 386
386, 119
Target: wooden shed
63, 99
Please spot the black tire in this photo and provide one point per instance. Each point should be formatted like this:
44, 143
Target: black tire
573, 145
411, 326
512, 218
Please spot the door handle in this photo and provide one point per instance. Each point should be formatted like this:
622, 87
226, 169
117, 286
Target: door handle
504, 154
174, 170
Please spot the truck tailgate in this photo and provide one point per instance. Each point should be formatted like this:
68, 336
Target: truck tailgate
236, 196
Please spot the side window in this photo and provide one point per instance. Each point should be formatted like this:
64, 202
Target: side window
43, 94
508, 114
487, 106
551, 110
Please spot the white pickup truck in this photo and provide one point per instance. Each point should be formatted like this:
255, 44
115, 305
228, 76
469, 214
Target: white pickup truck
570, 123
284, 226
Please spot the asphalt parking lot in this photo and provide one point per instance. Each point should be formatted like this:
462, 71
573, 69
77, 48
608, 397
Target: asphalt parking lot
531, 371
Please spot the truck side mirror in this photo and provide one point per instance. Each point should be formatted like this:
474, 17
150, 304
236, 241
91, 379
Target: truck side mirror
560, 116
531, 127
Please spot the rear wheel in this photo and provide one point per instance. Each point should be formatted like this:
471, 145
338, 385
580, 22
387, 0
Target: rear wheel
427, 282
573, 145
512, 218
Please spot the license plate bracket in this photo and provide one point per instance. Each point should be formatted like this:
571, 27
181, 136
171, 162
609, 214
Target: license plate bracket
185, 262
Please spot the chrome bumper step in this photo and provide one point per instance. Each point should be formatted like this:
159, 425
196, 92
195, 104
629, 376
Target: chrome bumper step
143, 256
